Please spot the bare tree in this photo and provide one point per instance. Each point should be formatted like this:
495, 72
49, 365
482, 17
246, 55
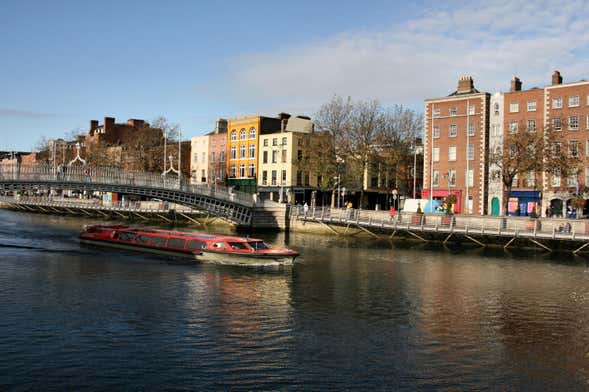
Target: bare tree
529, 152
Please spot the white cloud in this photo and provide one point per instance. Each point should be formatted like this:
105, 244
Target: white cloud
492, 41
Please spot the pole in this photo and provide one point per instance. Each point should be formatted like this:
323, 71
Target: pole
467, 157
431, 177
179, 154
338, 189
414, 164
165, 148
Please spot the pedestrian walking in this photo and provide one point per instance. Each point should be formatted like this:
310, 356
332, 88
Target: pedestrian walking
305, 208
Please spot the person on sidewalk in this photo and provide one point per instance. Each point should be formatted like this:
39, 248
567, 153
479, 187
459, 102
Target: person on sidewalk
392, 213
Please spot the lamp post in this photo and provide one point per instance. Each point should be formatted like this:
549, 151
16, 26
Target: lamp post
281, 195
415, 141
338, 161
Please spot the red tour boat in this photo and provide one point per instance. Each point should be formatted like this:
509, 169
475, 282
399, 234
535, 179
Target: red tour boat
203, 247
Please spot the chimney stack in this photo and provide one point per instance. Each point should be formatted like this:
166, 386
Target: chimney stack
556, 78
93, 126
135, 123
465, 84
221, 126
109, 122
516, 84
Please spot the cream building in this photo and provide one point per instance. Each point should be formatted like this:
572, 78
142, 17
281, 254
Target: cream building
199, 159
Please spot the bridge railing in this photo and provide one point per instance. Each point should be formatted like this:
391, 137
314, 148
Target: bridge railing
463, 223
116, 176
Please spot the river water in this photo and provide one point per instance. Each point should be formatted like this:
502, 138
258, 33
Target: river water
352, 314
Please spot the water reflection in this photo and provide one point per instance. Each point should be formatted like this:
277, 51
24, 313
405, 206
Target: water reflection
354, 313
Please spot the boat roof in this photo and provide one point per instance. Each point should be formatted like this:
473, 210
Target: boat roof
198, 236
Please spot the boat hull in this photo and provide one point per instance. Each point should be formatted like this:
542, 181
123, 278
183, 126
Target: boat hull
134, 248
245, 259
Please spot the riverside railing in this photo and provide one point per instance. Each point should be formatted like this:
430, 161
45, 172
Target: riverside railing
116, 176
96, 204
492, 225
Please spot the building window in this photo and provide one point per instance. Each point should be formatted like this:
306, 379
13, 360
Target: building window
203, 177
436, 112
573, 101
496, 108
203, 158
452, 111
452, 177
514, 181
252, 133
452, 153
242, 151
453, 130
306, 178
471, 152
513, 107
573, 148
284, 141
213, 156
250, 170
299, 178
471, 110
265, 157
572, 181
436, 132
252, 150
195, 157
470, 178
513, 126
233, 152
556, 124
530, 180
222, 142
283, 177
573, 123
273, 177
242, 134
531, 106
470, 129
587, 152
436, 177
222, 156
436, 154
283, 156
587, 175
556, 103
531, 125
242, 170
274, 141
275, 156
265, 142
234, 135
232, 171
264, 177
587, 126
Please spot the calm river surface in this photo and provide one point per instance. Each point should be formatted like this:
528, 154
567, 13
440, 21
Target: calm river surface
350, 315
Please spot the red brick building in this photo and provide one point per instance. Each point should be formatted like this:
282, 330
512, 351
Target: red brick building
456, 147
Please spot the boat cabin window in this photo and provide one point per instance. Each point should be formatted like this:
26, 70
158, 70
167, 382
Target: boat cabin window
219, 245
142, 238
176, 242
195, 244
257, 245
158, 241
238, 245
127, 236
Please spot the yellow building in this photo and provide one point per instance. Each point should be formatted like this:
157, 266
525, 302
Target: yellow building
243, 137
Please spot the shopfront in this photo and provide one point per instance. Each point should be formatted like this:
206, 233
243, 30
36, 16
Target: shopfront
524, 203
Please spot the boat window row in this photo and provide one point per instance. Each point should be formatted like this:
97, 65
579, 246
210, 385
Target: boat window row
159, 241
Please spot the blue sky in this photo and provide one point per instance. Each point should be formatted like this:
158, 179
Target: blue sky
66, 62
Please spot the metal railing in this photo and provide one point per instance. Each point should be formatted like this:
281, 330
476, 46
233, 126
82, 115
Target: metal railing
97, 204
492, 225
40, 172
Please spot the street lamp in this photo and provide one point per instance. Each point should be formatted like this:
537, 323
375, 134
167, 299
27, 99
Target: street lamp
338, 161
415, 148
